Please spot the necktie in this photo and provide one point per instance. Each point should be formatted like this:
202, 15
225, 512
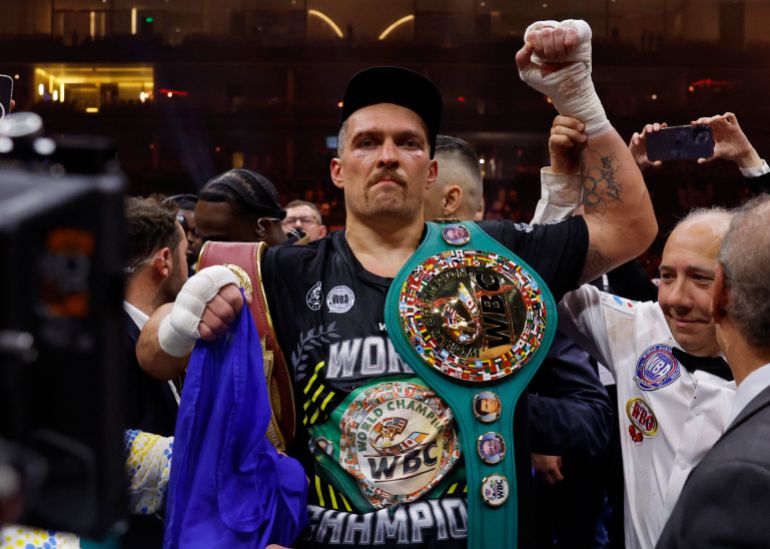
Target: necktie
714, 365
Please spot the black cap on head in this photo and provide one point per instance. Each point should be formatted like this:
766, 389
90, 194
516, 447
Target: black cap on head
397, 85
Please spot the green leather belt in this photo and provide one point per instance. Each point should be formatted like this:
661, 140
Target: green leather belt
474, 322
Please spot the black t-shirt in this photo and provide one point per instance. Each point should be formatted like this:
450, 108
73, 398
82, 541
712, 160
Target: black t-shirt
328, 313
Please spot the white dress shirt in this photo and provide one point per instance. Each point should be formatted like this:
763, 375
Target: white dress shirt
754, 383
669, 418
140, 319
756, 171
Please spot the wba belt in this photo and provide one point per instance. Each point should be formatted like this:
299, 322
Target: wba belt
474, 322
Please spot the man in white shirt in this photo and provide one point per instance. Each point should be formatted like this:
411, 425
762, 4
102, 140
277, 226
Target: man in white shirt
674, 390
726, 498
671, 409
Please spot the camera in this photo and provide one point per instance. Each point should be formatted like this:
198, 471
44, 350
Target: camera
61, 331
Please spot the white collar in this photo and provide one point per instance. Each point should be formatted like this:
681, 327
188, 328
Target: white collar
139, 317
752, 385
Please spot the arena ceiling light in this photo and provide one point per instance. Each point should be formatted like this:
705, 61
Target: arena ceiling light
394, 25
328, 20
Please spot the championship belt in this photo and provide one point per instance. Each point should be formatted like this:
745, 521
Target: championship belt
474, 322
244, 260
388, 442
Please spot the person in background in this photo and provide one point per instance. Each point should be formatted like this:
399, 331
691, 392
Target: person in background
186, 216
240, 206
725, 500
569, 408
305, 217
156, 269
458, 192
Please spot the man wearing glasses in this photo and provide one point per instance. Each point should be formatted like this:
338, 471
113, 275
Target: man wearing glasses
304, 216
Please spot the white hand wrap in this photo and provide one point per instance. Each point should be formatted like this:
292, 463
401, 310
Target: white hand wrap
571, 89
178, 331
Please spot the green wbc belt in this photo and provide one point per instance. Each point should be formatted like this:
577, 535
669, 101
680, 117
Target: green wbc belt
474, 322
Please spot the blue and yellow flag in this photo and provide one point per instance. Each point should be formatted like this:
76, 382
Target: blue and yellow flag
229, 487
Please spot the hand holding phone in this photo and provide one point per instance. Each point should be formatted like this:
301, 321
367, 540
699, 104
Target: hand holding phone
680, 143
637, 146
6, 92
730, 143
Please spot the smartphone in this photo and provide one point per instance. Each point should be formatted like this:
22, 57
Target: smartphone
680, 143
6, 91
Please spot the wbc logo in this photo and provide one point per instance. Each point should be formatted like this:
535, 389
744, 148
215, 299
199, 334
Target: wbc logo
398, 441
474, 316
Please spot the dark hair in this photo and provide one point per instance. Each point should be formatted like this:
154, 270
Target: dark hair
184, 201
454, 145
249, 193
149, 226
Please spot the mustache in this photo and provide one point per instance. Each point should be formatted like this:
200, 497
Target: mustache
386, 174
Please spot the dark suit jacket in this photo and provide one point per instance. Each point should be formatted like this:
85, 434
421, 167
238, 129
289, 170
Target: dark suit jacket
150, 407
569, 410
150, 403
725, 502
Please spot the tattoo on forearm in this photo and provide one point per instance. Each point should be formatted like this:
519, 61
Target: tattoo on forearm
600, 186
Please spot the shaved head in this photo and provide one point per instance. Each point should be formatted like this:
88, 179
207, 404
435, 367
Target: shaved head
702, 230
458, 191
714, 220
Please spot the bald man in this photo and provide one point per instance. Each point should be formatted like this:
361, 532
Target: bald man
725, 500
675, 392
458, 191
